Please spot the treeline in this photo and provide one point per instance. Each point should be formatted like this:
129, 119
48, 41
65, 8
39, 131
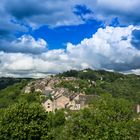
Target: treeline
107, 118
8, 81
12, 94
95, 75
117, 84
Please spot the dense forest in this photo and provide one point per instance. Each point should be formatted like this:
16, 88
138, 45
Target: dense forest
111, 116
13, 90
7, 81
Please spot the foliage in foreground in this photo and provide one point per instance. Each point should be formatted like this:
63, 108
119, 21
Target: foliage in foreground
107, 118
25, 121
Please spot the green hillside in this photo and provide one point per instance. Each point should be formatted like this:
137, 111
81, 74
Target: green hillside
119, 85
87, 81
108, 117
12, 93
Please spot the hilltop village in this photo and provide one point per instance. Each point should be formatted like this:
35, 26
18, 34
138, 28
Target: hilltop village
78, 102
58, 97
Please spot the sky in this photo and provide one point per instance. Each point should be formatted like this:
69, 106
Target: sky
41, 37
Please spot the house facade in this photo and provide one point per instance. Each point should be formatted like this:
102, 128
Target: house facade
49, 105
63, 101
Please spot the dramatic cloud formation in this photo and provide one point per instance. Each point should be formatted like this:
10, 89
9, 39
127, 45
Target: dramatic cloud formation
36, 13
24, 44
65, 12
17, 16
126, 11
110, 48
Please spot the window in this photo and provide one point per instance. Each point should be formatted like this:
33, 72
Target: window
48, 106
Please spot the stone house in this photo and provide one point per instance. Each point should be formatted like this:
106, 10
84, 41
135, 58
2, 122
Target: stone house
27, 89
47, 91
80, 101
61, 102
39, 87
75, 105
49, 105
68, 100
58, 103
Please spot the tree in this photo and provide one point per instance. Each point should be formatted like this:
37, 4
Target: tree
24, 121
106, 119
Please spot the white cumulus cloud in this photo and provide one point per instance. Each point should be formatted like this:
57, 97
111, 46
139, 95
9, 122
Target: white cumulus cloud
109, 48
24, 44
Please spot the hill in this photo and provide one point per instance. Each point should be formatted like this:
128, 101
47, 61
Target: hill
87, 81
24, 117
117, 84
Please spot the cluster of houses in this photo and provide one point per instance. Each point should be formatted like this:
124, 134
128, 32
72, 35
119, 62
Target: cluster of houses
59, 98
62, 98
41, 85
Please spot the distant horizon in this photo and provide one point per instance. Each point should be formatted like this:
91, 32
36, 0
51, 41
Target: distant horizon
46, 75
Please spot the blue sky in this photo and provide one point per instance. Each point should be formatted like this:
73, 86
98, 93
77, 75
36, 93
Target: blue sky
55, 36
58, 37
